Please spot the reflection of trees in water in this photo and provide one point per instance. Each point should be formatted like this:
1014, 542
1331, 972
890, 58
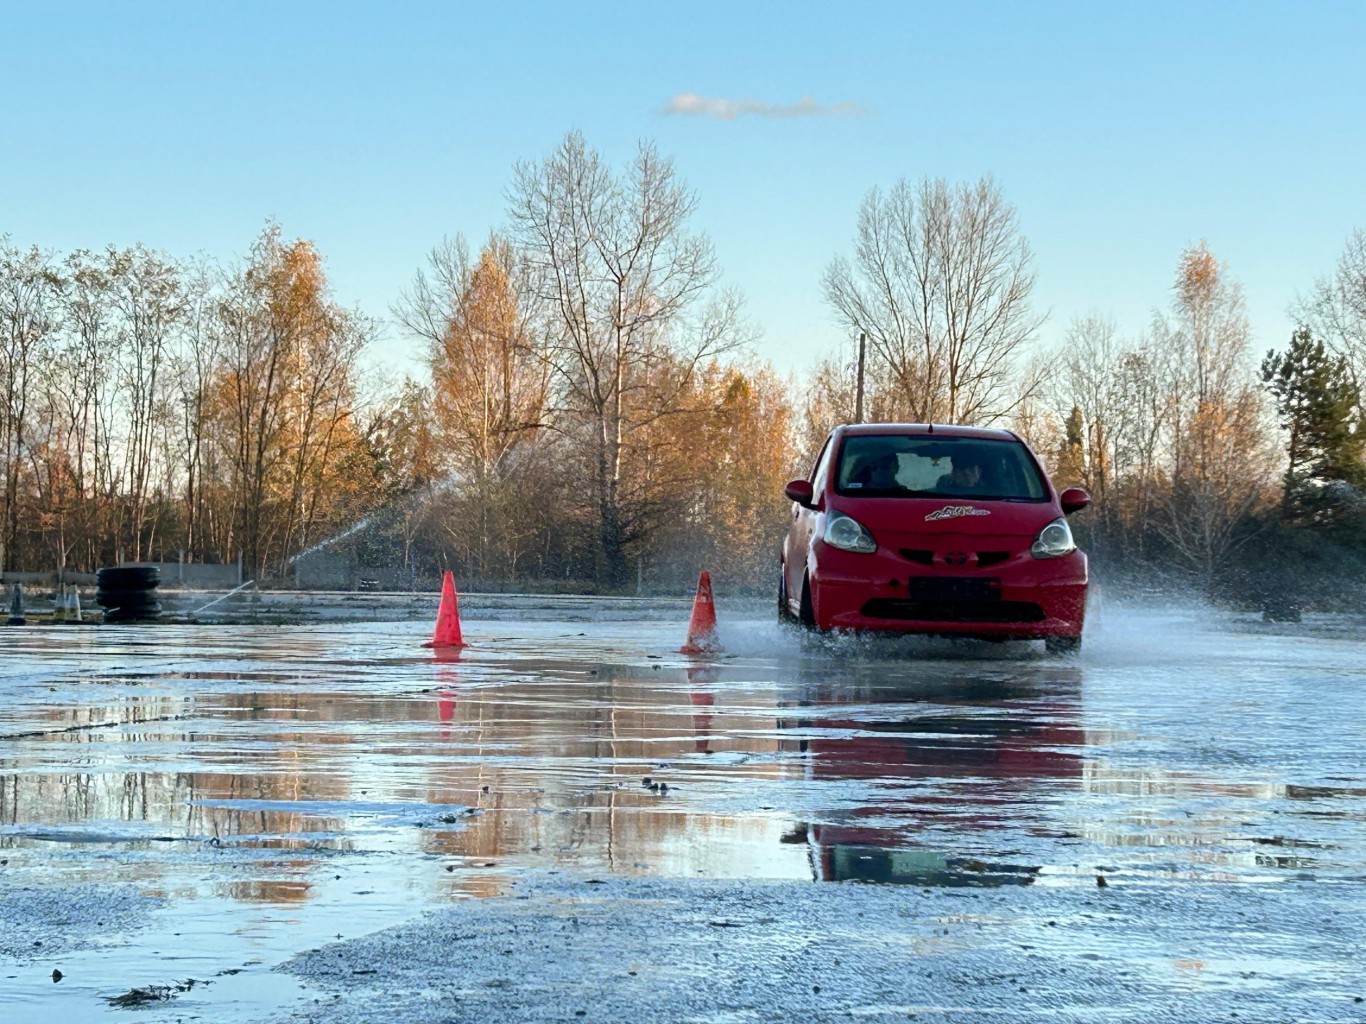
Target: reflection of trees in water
562, 758
59, 799
168, 799
294, 766
84, 733
1151, 809
564, 764
272, 890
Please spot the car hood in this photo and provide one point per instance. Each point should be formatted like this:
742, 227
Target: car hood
959, 516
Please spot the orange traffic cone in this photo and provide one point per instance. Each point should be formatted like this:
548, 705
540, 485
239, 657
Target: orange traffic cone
447, 617
702, 627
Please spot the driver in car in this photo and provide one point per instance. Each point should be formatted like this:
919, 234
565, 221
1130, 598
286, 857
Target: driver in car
966, 476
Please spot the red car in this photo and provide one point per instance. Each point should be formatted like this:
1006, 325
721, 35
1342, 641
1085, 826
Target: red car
920, 528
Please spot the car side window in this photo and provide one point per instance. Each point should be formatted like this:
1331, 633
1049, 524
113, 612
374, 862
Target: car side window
822, 469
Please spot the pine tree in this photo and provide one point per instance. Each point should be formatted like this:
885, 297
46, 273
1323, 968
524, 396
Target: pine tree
1071, 467
1320, 408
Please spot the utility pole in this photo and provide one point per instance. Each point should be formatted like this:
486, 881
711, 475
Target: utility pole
858, 391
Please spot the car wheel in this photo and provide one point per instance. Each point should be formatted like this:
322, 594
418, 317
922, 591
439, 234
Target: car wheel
784, 612
808, 612
1062, 644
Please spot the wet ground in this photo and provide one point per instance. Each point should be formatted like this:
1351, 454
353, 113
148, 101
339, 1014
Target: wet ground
569, 821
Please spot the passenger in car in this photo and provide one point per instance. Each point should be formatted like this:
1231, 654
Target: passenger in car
878, 473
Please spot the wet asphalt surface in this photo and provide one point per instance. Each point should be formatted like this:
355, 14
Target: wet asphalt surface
570, 821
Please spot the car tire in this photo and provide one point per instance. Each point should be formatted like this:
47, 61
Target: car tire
140, 613
125, 598
1062, 645
784, 612
807, 617
129, 577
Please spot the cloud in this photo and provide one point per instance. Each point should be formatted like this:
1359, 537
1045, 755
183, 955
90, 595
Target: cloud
728, 110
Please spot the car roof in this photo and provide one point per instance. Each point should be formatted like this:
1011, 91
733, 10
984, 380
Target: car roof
924, 430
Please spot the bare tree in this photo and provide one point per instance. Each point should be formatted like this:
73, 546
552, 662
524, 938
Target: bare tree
634, 309
1168, 430
1218, 439
1336, 307
195, 365
940, 281
30, 313
94, 340
1143, 419
145, 290
827, 400
1206, 332
1095, 376
1207, 511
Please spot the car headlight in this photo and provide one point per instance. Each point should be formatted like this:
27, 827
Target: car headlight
1054, 540
848, 534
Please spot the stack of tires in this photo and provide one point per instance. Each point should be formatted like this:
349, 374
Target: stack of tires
129, 593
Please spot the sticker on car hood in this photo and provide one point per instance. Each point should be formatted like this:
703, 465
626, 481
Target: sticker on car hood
956, 512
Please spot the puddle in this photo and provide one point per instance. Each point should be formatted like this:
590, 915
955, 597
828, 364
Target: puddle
273, 789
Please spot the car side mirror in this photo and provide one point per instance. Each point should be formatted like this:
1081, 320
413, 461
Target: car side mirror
1074, 499
801, 492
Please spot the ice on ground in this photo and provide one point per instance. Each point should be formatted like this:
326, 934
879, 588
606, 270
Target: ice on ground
620, 951
42, 922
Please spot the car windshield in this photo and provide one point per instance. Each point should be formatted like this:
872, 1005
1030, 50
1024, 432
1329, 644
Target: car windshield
925, 466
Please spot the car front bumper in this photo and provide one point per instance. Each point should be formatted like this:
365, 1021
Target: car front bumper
1022, 598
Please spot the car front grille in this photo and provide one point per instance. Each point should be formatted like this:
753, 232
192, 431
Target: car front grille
922, 556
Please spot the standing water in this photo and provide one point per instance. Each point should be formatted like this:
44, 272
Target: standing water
186, 811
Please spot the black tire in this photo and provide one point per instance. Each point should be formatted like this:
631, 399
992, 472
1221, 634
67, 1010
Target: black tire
1063, 645
125, 598
143, 613
129, 577
807, 617
784, 612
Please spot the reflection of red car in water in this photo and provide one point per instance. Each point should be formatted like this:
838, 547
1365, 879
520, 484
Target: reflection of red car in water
913, 528
1007, 760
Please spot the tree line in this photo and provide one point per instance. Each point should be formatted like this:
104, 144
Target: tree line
151, 409
591, 415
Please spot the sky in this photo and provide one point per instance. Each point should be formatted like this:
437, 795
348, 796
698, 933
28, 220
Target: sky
1121, 132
